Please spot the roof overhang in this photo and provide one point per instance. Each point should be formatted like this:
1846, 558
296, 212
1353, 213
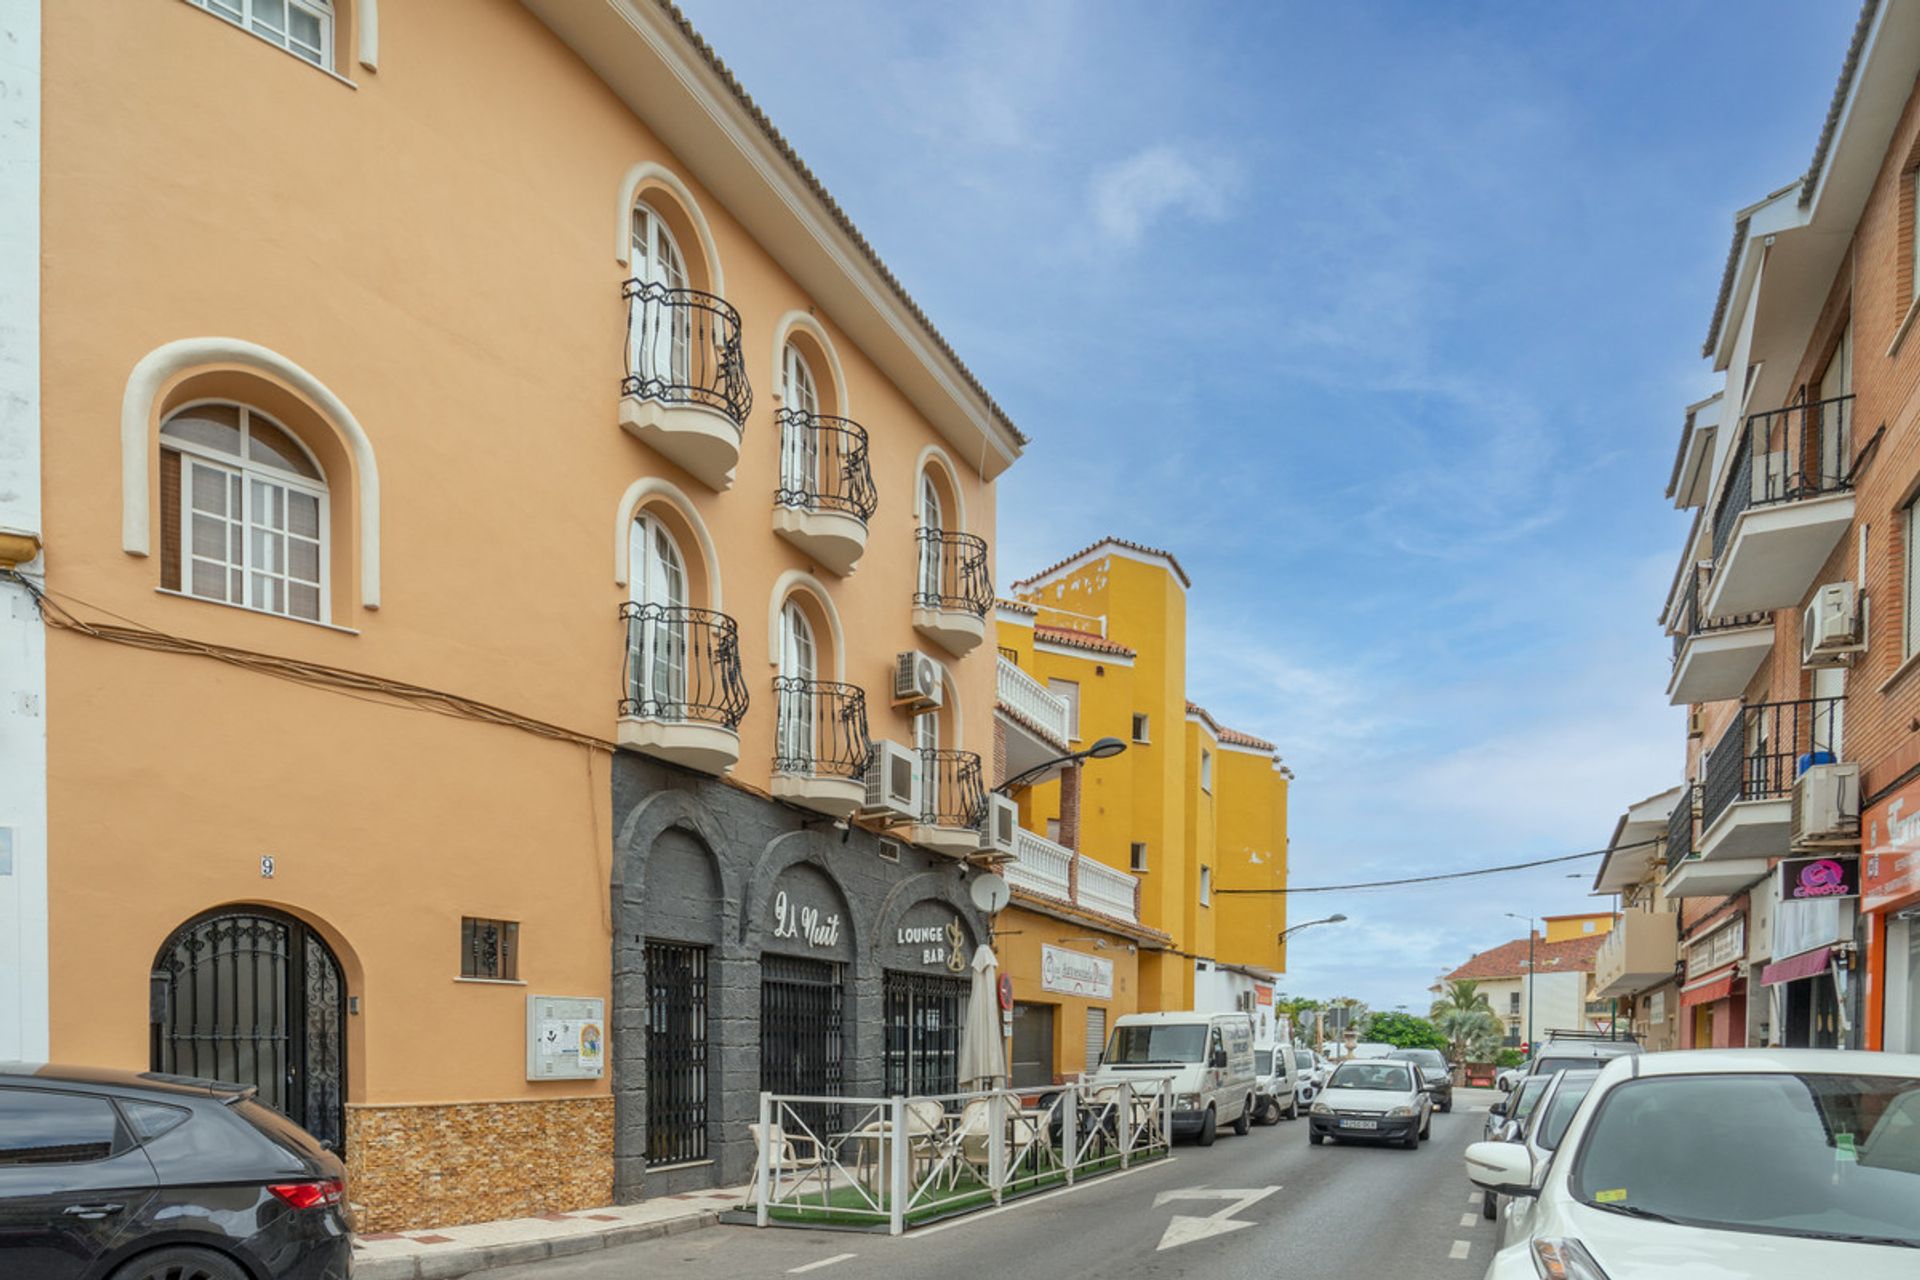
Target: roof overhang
1629, 857
642, 54
1692, 478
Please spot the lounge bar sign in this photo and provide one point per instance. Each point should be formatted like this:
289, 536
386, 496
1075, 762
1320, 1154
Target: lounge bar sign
1816, 879
939, 944
1073, 973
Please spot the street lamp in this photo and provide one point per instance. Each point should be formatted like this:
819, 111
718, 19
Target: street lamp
1530, 976
1336, 918
1103, 749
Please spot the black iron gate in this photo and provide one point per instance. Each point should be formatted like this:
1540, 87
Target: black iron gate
255, 997
676, 1053
801, 1050
923, 1017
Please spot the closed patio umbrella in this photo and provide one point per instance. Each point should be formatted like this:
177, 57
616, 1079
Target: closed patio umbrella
983, 1057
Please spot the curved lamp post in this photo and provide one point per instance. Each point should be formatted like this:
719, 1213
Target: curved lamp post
1102, 749
1335, 918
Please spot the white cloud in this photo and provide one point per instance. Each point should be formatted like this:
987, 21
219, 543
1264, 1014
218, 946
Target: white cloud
1129, 196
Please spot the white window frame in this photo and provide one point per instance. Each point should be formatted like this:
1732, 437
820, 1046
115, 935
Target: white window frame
1910, 604
1206, 771
1913, 221
1142, 725
1137, 857
1206, 885
240, 13
1068, 691
249, 471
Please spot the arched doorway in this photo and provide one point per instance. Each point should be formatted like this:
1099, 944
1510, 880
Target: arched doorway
254, 996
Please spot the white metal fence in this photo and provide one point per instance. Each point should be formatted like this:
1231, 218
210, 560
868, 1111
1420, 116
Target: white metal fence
895, 1162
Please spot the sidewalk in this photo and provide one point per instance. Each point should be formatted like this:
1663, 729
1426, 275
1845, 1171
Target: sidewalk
447, 1252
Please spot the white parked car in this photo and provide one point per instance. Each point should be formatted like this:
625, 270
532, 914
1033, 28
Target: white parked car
1767, 1164
1379, 1099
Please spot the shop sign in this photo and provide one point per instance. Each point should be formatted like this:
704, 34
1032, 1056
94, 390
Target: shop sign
940, 944
1721, 947
1073, 973
1890, 850
806, 924
1819, 879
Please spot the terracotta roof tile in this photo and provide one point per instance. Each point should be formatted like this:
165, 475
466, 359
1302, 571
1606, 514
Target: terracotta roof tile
1141, 547
1224, 734
1079, 640
1509, 959
832, 206
1017, 606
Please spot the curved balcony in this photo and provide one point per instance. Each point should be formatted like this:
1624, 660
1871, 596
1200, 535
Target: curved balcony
953, 801
684, 693
1784, 507
954, 590
685, 394
820, 745
826, 494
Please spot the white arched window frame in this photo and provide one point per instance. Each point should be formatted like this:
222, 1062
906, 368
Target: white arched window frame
799, 448
660, 335
798, 662
932, 519
657, 642
304, 28
253, 511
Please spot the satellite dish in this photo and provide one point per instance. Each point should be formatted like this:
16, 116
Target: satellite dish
989, 892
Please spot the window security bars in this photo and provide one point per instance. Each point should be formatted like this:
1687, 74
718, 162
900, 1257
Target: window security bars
683, 347
489, 949
821, 730
682, 664
802, 1049
1680, 827
1759, 755
922, 1021
954, 789
1691, 621
676, 1053
823, 464
953, 572
1787, 455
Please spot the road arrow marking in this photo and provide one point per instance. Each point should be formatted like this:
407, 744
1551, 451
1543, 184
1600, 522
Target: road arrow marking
1185, 1229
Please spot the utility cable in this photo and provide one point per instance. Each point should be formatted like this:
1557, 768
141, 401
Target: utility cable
1448, 875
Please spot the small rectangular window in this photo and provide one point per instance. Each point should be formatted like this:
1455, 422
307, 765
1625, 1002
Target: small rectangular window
303, 28
1137, 860
1910, 604
489, 949
1139, 727
1913, 222
1206, 885
1053, 830
1206, 770
1068, 691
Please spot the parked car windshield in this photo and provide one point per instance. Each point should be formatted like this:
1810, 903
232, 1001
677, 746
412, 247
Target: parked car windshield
1820, 1156
1528, 1097
1157, 1042
1377, 1074
1263, 1062
1573, 1090
1428, 1058
1550, 1066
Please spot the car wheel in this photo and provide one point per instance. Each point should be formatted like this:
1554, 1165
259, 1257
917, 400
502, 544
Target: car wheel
1446, 1105
1488, 1210
1315, 1139
1412, 1141
1206, 1129
1426, 1129
1244, 1121
181, 1264
1293, 1107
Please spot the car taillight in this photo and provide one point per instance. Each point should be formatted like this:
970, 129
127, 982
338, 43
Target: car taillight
308, 1195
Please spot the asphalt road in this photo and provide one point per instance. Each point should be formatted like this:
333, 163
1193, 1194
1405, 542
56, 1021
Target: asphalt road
1333, 1211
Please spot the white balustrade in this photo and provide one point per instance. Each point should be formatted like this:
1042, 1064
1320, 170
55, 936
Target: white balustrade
1032, 702
1044, 867
1107, 891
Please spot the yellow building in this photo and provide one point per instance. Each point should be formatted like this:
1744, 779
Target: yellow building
1194, 813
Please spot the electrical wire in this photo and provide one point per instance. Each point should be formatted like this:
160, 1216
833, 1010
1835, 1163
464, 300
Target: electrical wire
1448, 875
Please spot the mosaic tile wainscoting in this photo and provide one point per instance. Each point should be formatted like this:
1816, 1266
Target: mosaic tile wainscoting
437, 1165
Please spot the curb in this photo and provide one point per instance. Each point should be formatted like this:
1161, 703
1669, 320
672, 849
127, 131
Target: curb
460, 1262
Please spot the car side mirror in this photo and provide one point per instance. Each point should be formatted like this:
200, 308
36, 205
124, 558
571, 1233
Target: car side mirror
1499, 1108
1219, 1058
1502, 1168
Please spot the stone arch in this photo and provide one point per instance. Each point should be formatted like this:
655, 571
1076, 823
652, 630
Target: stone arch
682, 518
669, 197
818, 605
809, 847
945, 887
232, 368
659, 812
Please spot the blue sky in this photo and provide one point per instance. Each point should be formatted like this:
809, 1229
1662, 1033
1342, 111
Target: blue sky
1382, 317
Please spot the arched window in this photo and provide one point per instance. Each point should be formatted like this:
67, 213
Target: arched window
932, 520
659, 335
657, 640
304, 28
799, 445
798, 667
243, 512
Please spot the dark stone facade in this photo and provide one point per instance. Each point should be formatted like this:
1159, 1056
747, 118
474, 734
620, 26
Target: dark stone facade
698, 861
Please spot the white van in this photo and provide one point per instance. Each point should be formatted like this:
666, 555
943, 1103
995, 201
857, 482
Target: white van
1209, 1056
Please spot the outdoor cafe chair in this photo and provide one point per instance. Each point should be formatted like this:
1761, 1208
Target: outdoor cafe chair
772, 1137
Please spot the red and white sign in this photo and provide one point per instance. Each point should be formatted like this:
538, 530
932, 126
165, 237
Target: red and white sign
1890, 850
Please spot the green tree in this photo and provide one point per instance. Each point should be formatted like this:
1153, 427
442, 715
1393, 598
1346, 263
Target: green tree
1466, 1019
1404, 1031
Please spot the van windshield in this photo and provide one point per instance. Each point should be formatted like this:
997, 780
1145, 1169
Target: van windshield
1263, 1062
1141, 1046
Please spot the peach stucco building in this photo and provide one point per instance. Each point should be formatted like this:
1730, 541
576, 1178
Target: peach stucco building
480, 489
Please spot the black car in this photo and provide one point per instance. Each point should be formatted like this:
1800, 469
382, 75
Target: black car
115, 1175
1434, 1071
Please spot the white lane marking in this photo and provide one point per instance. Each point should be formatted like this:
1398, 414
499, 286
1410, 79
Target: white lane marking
1473, 1197
824, 1262
1185, 1230
968, 1220
1459, 1250
1468, 1219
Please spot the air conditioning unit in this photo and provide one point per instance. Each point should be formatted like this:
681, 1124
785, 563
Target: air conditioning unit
1000, 825
1826, 806
893, 783
916, 683
1830, 629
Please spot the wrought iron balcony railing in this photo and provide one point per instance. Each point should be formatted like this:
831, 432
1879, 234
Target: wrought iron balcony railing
1787, 455
1691, 621
823, 464
683, 347
682, 665
954, 790
1759, 755
820, 728
953, 572
1680, 826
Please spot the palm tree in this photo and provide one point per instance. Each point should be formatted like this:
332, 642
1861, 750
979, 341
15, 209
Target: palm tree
1465, 1017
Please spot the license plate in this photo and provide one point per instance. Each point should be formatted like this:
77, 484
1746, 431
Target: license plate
1359, 1124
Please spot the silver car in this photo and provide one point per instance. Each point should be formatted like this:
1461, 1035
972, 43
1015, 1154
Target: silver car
1542, 1128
